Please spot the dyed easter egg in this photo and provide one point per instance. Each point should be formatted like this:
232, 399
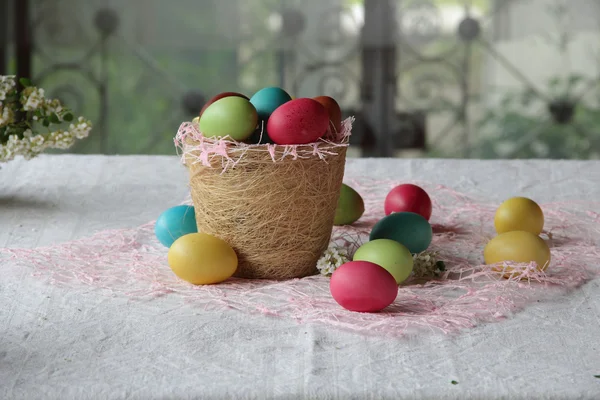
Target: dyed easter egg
363, 286
389, 254
409, 229
219, 97
408, 198
519, 214
350, 206
174, 223
518, 247
268, 100
333, 109
233, 116
202, 259
299, 121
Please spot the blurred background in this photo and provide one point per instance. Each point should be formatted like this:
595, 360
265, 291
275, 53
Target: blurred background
424, 78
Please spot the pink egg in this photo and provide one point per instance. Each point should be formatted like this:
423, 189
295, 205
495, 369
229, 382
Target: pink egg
408, 198
300, 121
363, 286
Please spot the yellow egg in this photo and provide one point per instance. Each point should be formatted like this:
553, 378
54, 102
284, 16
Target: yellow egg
519, 247
519, 214
202, 259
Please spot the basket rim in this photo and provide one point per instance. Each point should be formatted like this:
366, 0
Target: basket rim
193, 148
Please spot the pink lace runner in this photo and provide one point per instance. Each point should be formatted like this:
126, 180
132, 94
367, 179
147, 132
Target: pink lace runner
131, 262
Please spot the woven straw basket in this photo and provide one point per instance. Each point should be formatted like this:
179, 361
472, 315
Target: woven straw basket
275, 205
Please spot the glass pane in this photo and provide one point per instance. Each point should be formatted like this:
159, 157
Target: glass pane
447, 78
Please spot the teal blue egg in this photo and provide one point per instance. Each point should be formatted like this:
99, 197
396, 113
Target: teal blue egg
409, 229
175, 223
267, 100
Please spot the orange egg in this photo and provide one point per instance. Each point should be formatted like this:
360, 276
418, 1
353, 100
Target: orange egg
333, 109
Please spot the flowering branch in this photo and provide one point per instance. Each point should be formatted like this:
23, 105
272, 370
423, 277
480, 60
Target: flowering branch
21, 114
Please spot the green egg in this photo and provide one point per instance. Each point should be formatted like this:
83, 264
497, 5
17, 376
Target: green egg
409, 229
389, 254
230, 116
350, 206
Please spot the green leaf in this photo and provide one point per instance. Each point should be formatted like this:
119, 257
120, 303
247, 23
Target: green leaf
54, 118
25, 82
46, 122
68, 117
454, 382
597, 376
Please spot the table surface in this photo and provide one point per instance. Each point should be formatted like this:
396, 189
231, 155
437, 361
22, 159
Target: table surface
59, 343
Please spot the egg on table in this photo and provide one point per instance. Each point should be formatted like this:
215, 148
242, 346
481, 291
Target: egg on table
202, 259
350, 206
174, 223
519, 214
517, 247
389, 254
410, 229
408, 198
363, 286
231, 116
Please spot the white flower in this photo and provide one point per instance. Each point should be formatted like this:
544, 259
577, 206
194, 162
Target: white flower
53, 106
7, 84
61, 139
427, 264
32, 98
82, 129
31, 142
332, 259
7, 116
38, 144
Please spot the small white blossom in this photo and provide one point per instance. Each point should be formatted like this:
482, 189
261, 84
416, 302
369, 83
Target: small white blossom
332, 259
82, 129
7, 85
427, 264
32, 98
53, 106
7, 116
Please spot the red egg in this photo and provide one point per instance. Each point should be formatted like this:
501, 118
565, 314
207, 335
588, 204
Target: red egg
299, 121
363, 286
333, 109
219, 97
408, 198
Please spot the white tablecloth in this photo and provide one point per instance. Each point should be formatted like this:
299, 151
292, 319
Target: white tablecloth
78, 344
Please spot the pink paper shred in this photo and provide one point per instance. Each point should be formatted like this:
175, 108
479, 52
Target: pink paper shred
197, 149
131, 262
